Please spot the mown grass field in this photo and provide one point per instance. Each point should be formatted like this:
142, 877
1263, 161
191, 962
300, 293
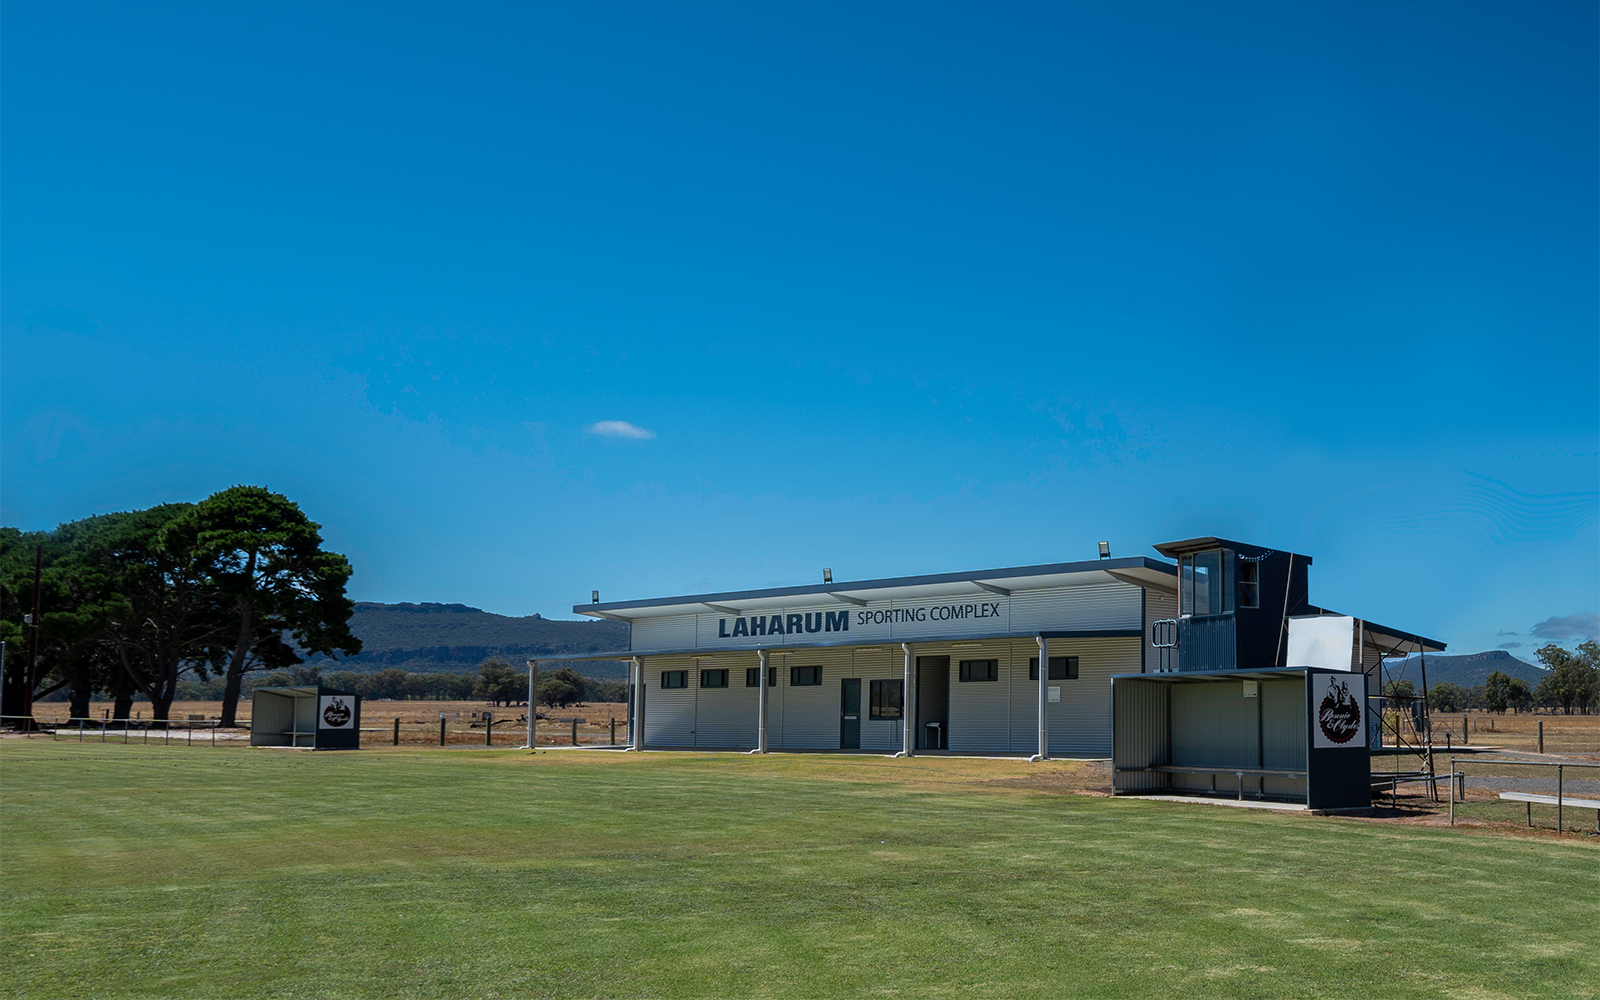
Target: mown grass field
145, 871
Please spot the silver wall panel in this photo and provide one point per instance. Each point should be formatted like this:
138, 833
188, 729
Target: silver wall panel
1105, 605
725, 718
1141, 734
1214, 725
881, 735
1284, 734
1080, 723
980, 711
669, 717
811, 714
1159, 605
666, 632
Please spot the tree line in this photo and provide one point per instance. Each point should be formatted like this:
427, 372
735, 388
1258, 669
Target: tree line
1572, 685
134, 603
496, 681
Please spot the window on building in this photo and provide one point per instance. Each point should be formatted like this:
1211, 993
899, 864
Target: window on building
886, 699
1205, 583
1062, 668
805, 676
980, 670
674, 678
752, 677
1248, 591
713, 678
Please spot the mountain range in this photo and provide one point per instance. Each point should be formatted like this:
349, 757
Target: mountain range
452, 638
1469, 670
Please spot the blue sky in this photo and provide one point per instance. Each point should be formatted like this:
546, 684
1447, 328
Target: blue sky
523, 301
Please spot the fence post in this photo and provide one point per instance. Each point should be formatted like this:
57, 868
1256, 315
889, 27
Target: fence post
574, 730
1541, 736
613, 730
1558, 798
397, 732
80, 731
441, 729
1466, 736
488, 729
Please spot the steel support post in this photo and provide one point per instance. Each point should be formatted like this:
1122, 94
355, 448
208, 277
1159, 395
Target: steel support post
637, 742
761, 701
908, 717
1044, 699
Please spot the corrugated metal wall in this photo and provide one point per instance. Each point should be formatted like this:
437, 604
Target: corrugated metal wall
980, 711
985, 716
882, 735
1284, 734
271, 715
810, 715
668, 632
1213, 725
669, 718
725, 718
1109, 605
1159, 605
1141, 734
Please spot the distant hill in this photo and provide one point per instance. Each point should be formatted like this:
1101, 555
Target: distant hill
450, 638
1469, 671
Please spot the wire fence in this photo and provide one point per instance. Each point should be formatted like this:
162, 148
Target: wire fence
1564, 794
484, 731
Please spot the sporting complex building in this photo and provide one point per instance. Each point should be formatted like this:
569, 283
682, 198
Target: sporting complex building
1216, 642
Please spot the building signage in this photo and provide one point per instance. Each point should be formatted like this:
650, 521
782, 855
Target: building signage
1336, 710
839, 621
821, 621
334, 712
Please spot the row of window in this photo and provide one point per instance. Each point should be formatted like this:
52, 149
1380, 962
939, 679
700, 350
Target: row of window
1062, 668
1217, 581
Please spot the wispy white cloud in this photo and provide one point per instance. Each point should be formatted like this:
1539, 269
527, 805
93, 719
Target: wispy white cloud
1509, 645
620, 429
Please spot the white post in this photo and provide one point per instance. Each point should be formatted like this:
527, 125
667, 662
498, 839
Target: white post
761, 702
533, 703
908, 732
1044, 699
638, 704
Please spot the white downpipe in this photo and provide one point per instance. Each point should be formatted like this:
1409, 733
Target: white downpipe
1044, 700
761, 703
908, 732
637, 743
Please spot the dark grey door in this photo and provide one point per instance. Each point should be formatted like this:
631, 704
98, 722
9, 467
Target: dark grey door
850, 714
933, 702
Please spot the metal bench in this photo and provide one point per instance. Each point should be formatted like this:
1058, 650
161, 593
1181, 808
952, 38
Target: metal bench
1554, 800
1239, 772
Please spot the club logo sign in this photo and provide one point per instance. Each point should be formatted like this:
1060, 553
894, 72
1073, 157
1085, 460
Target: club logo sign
335, 713
1336, 710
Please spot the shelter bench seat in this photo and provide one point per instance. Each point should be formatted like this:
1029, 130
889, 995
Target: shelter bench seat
1551, 800
1239, 772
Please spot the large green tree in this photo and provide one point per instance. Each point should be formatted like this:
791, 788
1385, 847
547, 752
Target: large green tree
266, 561
170, 620
1574, 677
498, 681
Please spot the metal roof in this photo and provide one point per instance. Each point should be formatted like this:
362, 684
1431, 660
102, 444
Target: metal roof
1136, 570
1388, 641
707, 654
1173, 550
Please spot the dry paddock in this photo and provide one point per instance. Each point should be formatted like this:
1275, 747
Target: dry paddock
419, 721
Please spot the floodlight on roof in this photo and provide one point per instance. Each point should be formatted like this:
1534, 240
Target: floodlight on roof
1105, 550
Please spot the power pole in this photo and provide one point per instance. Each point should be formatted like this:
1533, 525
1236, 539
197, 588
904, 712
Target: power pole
33, 639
